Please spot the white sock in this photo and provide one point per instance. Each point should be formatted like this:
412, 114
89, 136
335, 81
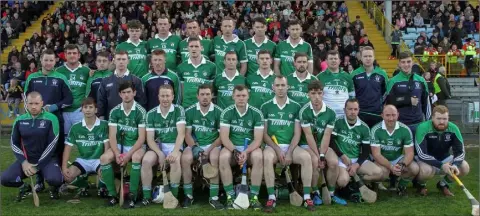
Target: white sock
331, 193
215, 198
272, 197
317, 191
306, 196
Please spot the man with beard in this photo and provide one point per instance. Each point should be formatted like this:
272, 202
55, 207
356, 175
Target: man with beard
193, 31
434, 140
299, 79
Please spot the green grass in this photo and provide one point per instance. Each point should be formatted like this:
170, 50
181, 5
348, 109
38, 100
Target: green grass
387, 204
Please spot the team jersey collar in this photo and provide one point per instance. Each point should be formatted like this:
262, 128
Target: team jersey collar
172, 108
290, 42
130, 41
225, 75
164, 72
124, 74
72, 69
263, 42
246, 110
40, 114
274, 100
84, 124
384, 126
132, 109
203, 61
235, 39
358, 123
322, 110
309, 76
264, 77
210, 108
163, 39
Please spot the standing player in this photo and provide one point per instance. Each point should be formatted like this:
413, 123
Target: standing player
194, 71
257, 43
160, 75
56, 95
338, 85
286, 50
229, 42
165, 41
281, 121
33, 140
225, 82
351, 142
238, 122
409, 93
299, 79
317, 121
165, 136
108, 96
193, 31
93, 83
370, 84
127, 137
260, 83
392, 149
135, 48
203, 140
91, 138
433, 142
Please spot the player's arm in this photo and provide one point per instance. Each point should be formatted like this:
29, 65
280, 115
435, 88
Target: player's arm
180, 136
268, 140
365, 146
458, 148
258, 129
408, 148
297, 133
310, 59
243, 59
225, 131
276, 66
69, 142
16, 142
307, 130
188, 136
426, 102
150, 130
376, 151
327, 134
112, 133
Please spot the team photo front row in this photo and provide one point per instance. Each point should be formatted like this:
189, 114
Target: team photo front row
332, 147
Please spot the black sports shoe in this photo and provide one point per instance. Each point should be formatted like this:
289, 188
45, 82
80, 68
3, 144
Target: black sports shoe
216, 204
144, 202
39, 187
23, 191
130, 203
54, 195
187, 202
112, 201
402, 191
102, 192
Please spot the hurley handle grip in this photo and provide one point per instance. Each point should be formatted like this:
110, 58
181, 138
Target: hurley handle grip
245, 146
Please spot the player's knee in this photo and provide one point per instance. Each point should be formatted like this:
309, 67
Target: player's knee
385, 173
55, 181
257, 157
187, 158
8, 179
377, 173
268, 158
224, 158
137, 156
464, 168
147, 162
105, 158
343, 180
413, 169
425, 172
305, 159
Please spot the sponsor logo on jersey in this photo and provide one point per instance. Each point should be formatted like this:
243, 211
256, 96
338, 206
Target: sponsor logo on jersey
298, 94
280, 122
194, 80
38, 81
252, 57
287, 58
348, 139
226, 93
166, 130
260, 89
239, 129
128, 128
76, 83
87, 143
390, 148
203, 129
220, 52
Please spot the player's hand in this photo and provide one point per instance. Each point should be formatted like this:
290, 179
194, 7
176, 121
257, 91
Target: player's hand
118, 159
242, 158
288, 158
396, 170
446, 168
352, 169
454, 170
125, 158
172, 157
67, 175
28, 168
414, 100
91, 73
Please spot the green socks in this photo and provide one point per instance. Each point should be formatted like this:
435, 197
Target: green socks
80, 181
271, 190
403, 182
135, 178
109, 179
174, 189
187, 190
214, 191
331, 190
254, 189
147, 192
229, 190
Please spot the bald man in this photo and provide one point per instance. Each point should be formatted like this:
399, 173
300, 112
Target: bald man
33, 140
392, 149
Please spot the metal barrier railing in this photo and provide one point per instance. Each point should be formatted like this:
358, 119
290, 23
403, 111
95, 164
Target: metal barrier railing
453, 69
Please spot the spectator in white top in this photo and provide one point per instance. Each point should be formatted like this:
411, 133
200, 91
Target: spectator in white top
418, 21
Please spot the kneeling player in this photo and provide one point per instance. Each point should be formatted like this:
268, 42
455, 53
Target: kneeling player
389, 139
165, 136
317, 120
281, 121
126, 137
203, 140
433, 141
351, 143
91, 138
238, 122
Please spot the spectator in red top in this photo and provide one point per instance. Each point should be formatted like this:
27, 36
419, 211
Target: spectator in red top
274, 23
32, 68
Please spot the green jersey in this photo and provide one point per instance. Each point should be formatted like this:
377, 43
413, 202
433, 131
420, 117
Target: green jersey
171, 47
281, 120
206, 48
391, 144
298, 90
77, 78
260, 88
205, 126
192, 76
349, 138
252, 51
165, 127
127, 124
223, 88
90, 142
241, 126
285, 52
221, 47
318, 122
337, 88
137, 54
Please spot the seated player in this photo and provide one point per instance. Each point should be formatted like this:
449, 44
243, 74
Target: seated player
33, 140
390, 138
203, 140
165, 135
238, 122
351, 142
91, 138
281, 121
126, 137
433, 141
